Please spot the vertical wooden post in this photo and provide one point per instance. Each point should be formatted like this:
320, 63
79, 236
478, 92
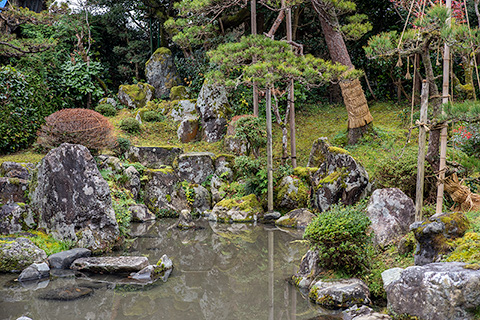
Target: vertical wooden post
291, 98
443, 132
269, 149
253, 19
421, 152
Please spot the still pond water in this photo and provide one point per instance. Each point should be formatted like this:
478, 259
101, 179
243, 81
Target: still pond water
223, 271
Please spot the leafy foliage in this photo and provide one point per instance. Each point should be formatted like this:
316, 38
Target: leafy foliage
251, 130
130, 125
106, 109
340, 236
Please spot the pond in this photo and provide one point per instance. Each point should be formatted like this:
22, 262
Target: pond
224, 271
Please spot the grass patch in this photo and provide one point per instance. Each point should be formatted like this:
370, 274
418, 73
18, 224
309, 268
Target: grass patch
44, 241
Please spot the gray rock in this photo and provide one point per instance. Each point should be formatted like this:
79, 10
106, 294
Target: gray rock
140, 213
133, 184
185, 221
122, 264
136, 95
308, 271
390, 275
63, 260
444, 291
291, 193
183, 110
363, 313
272, 216
35, 271
111, 101
153, 157
214, 109
13, 190
298, 218
16, 170
432, 235
195, 167
17, 254
66, 294
153, 272
24, 318
161, 73
110, 163
188, 130
245, 209
235, 145
15, 218
72, 200
343, 293
391, 212
203, 200
339, 178
162, 194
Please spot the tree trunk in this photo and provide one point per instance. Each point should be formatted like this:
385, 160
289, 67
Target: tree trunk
357, 107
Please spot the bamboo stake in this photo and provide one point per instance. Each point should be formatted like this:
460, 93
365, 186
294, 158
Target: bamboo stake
269, 149
443, 132
291, 99
254, 31
422, 135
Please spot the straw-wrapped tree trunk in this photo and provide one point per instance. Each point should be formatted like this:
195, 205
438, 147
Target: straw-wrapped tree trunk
359, 116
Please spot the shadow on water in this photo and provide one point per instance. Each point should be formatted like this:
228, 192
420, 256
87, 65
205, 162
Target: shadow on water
225, 271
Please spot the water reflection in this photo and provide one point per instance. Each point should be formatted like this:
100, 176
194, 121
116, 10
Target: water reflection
221, 272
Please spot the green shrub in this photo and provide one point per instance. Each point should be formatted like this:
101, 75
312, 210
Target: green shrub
122, 146
252, 130
106, 109
130, 125
340, 236
152, 116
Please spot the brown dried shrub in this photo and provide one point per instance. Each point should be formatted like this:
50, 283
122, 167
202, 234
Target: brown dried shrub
78, 126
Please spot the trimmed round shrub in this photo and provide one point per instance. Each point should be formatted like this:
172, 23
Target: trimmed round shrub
152, 116
107, 110
78, 126
123, 144
340, 236
130, 125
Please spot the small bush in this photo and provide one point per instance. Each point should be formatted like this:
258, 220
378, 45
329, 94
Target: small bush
122, 146
340, 236
252, 130
152, 116
78, 126
130, 125
107, 110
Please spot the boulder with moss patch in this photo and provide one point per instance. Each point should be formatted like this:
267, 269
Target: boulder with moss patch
136, 95
182, 110
339, 178
72, 200
298, 218
391, 212
188, 130
160, 72
341, 293
153, 157
164, 195
214, 110
245, 209
433, 235
196, 167
22, 171
308, 270
18, 253
15, 218
291, 193
179, 93
13, 190
446, 291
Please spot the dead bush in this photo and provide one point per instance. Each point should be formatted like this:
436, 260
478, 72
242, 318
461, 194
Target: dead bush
78, 126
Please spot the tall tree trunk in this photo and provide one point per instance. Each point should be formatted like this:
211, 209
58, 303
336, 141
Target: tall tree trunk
359, 116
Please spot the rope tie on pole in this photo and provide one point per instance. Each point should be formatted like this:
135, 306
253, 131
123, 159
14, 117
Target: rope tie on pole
425, 125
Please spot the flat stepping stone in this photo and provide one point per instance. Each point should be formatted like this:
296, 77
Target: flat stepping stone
66, 294
63, 260
122, 264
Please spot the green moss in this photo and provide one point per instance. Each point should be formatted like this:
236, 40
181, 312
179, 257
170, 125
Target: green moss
168, 197
164, 170
304, 172
467, 249
332, 177
289, 222
337, 150
248, 204
178, 93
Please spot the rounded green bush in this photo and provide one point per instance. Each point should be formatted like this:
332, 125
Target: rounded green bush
340, 236
130, 125
152, 116
122, 146
106, 110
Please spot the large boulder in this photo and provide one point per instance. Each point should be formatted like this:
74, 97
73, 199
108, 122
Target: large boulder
161, 73
183, 110
339, 178
153, 157
188, 130
140, 213
298, 218
433, 234
135, 95
202, 201
163, 195
446, 291
15, 218
64, 259
122, 264
391, 212
17, 254
245, 209
16, 170
13, 190
342, 293
214, 109
196, 167
72, 200
308, 270
133, 183
291, 193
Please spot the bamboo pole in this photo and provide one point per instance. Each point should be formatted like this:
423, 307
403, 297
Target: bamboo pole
422, 135
291, 99
269, 149
443, 132
253, 18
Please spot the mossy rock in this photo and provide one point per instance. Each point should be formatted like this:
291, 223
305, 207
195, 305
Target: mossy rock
136, 95
179, 93
245, 209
